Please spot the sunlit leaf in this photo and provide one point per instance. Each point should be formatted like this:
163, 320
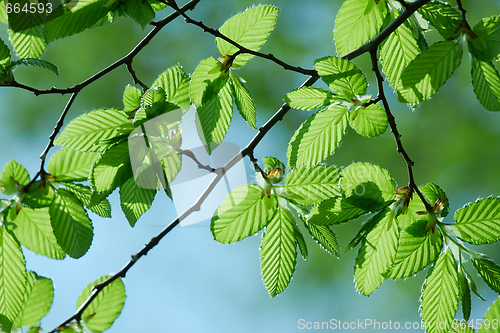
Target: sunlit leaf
341, 76
369, 121
479, 222
486, 83
308, 98
71, 165
244, 101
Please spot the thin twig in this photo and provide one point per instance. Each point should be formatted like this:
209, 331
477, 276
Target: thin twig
242, 49
248, 151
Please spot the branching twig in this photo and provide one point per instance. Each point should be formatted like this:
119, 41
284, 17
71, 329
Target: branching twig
371, 47
397, 136
241, 48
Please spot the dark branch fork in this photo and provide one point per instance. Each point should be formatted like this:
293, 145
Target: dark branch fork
371, 47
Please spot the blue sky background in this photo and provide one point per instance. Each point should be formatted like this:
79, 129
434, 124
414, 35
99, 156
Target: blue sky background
189, 282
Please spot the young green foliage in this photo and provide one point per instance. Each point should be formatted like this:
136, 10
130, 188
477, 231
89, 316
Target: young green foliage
479, 222
490, 322
341, 76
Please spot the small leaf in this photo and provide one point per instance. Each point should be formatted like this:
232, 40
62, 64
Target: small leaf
12, 279
357, 22
86, 131
318, 137
308, 98
13, 173
135, 200
465, 295
107, 305
489, 271
72, 227
244, 101
131, 98
140, 11
479, 222
486, 83
213, 118
431, 69
278, 252
369, 121
415, 251
244, 211
175, 83
29, 43
36, 63
4, 54
341, 76
111, 169
309, 186
376, 254
301, 243
71, 165
38, 300
368, 186
440, 293
398, 50
324, 237
334, 211
73, 17
249, 29
205, 85
34, 231
485, 46
443, 17
84, 194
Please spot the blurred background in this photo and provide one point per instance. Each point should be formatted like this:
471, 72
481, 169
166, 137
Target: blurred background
189, 282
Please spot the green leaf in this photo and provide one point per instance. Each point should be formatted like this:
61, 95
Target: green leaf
324, 237
13, 175
72, 227
301, 243
440, 293
278, 252
342, 76
367, 186
485, 46
398, 50
111, 169
369, 121
214, 117
490, 322
249, 29
71, 165
175, 82
39, 196
33, 229
12, 279
107, 305
433, 193
135, 200
479, 222
376, 254
464, 294
4, 54
309, 186
431, 69
74, 17
204, 85
443, 17
489, 271
86, 131
357, 22
244, 211
486, 83
28, 43
415, 250
318, 137
140, 11
131, 98
334, 211
84, 194
244, 101
38, 300
36, 63
308, 98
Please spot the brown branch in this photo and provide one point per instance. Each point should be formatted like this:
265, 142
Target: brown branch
371, 47
242, 49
